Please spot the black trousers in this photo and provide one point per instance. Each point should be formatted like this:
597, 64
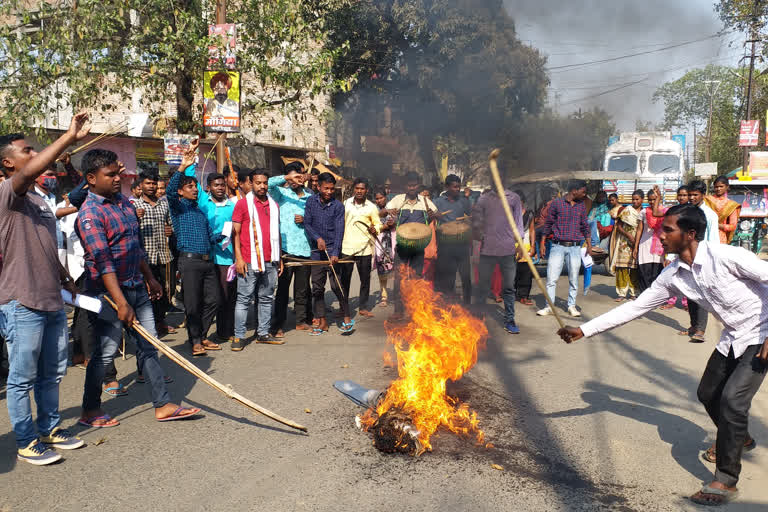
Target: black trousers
698, 317
523, 280
648, 272
160, 307
452, 258
319, 276
225, 314
301, 296
414, 266
201, 296
726, 390
364, 265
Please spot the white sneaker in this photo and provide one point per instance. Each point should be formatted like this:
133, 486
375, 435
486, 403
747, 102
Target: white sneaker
573, 311
544, 312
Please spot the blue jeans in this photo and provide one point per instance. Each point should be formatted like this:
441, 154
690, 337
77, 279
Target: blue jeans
571, 256
108, 332
508, 267
37, 357
263, 284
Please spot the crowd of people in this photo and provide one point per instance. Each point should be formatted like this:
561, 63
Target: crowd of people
247, 237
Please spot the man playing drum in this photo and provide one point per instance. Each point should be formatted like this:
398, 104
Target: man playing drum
454, 235
412, 217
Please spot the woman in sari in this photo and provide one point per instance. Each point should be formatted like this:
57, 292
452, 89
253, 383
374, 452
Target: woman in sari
385, 249
650, 254
727, 210
624, 245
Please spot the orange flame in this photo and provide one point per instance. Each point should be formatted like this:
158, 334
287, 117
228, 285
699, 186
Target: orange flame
439, 343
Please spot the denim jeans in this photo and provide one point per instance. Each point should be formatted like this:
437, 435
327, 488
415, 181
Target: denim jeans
263, 284
108, 331
571, 256
37, 357
508, 267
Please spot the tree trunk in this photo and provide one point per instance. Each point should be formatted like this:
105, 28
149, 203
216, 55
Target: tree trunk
185, 115
426, 150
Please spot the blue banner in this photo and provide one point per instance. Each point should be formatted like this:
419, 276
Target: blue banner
680, 139
613, 139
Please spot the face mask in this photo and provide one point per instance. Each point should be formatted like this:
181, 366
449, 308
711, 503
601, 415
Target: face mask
50, 183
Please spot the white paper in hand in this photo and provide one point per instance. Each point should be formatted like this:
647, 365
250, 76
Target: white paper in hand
91, 304
226, 229
586, 259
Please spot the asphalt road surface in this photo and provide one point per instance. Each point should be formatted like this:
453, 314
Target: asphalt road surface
610, 423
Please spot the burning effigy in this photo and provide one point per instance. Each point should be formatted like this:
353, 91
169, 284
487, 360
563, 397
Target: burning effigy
440, 342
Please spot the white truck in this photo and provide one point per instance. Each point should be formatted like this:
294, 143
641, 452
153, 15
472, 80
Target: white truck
648, 159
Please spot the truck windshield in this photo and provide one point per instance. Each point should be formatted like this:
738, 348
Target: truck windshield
661, 164
622, 163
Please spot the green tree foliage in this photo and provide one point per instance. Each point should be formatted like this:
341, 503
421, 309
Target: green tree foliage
91, 52
686, 102
449, 69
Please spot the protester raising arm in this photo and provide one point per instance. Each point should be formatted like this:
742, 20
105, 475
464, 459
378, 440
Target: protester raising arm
25, 177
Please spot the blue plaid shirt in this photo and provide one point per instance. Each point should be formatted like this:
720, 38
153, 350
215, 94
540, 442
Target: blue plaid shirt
326, 221
190, 224
109, 231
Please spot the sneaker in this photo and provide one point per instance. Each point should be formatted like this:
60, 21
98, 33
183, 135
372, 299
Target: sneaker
544, 312
511, 328
237, 345
38, 454
573, 312
62, 438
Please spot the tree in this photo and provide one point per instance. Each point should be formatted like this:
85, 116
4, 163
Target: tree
448, 69
96, 53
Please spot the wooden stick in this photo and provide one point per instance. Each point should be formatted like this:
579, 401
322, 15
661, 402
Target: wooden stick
313, 263
197, 372
123, 351
341, 289
110, 133
526, 256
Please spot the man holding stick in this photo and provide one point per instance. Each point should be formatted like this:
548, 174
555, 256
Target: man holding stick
292, 200
732, 284
453, 256
32, 318
256, 234
116, 264
324, 223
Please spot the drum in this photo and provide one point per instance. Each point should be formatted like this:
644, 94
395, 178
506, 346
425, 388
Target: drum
454, 232
413, 237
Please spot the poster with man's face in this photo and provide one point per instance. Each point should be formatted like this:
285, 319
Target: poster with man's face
221, 101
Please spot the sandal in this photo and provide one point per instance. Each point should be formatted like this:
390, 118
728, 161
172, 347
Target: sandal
209, 345
619, 299
713, 496
347, 328
106, 419
667, 306
178, 416
316, 331
527, 302
711, 454
198, 349
697, 338
118, 390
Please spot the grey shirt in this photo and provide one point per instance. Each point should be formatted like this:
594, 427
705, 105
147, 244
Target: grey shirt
30, 271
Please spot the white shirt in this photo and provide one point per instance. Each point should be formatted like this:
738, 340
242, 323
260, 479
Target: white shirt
50, 200
713, 233
729, 282
73, 254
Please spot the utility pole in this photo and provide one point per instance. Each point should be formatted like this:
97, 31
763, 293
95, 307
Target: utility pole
752, 39
221, 17
694, 144
712, 92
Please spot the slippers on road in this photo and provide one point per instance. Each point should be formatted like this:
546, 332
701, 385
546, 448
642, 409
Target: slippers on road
713, 497
107, 420
177, 414
118, 390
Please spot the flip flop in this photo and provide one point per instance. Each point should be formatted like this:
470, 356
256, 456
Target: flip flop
198, 352
710, 455
88, 422
176, 416
724, 493
141, 380
347, 328
316, 331
697, 338
118, 390
211, 346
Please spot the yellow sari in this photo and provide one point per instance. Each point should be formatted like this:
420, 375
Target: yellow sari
727, 213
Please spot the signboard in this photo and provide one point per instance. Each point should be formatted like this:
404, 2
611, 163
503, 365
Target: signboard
680, 139
758, 164
221, 101
613, 139
175, 145
705, 169
749, 133
754, 203
225, 36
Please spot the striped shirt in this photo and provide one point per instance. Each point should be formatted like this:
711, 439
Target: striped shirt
152, 226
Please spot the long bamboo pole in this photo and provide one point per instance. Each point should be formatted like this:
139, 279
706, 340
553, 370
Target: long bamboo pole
526, 256
197, 372
335, 275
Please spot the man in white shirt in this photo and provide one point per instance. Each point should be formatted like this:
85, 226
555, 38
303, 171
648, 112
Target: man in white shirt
697, 190
732, 283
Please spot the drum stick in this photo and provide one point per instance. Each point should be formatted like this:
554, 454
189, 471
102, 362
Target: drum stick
200, 374
526, 256
335, 275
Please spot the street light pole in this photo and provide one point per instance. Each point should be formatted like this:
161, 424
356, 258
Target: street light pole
712, 92
753, 40
221, 17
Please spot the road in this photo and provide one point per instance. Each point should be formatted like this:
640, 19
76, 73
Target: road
610, 423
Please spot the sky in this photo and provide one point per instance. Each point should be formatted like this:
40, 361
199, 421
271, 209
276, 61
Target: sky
572, 32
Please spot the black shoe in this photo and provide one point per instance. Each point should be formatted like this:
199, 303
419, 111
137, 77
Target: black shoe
237, 345
263, 337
